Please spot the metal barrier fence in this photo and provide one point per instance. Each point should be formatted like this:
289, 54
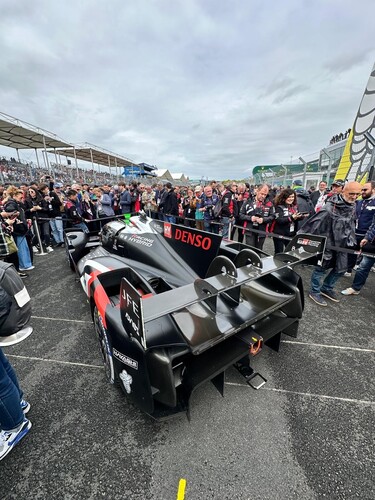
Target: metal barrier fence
232, 226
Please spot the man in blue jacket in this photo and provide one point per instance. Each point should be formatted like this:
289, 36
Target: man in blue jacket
365, 210
125, 198
366, 264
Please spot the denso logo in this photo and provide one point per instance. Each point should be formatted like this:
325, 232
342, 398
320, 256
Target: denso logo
196, 240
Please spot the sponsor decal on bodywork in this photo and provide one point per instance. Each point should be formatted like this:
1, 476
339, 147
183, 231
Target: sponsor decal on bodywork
194, 239
126, 380
167, 230
125, 359
306, 242
140, 240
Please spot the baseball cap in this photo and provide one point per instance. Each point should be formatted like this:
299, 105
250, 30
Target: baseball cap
197, 188
338, 182
297, 183
58, 185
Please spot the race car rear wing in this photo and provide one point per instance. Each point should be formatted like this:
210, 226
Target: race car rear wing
223, 281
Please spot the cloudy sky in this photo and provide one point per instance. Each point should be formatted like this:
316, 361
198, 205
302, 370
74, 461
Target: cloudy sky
206, 87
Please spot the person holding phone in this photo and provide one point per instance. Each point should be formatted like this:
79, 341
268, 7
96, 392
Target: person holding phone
286, 218
20, 232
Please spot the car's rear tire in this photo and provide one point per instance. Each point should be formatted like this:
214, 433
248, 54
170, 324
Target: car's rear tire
105, 346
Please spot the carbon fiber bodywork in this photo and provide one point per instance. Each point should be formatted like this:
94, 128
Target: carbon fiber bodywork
174, 307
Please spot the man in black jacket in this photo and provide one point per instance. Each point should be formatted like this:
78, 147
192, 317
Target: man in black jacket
169, 204
336, 221
228, 206
53, 204
72, 212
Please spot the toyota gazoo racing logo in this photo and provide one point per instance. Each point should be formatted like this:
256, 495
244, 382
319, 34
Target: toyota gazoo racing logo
305, 242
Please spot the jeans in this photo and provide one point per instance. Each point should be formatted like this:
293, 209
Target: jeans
57, 229
81, 225
362, 272
11, 414
225, 227
211, 227
24, 257
329, 280
170, 218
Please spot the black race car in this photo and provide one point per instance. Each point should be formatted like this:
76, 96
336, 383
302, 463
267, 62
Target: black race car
174, 307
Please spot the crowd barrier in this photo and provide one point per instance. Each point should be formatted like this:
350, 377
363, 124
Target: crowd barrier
232, 226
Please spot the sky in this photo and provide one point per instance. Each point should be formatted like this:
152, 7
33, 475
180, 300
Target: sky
209, 88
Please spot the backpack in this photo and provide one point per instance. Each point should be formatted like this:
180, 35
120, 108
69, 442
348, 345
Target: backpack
15, 306
217, 208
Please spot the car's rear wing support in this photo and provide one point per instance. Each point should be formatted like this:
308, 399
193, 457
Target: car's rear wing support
224, 278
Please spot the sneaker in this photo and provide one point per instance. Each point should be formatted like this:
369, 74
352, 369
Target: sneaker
348, 274
25, 406
318, 299
27, 268
23, 275
350, 291
331, 295
9, 439
35, 249
49, 249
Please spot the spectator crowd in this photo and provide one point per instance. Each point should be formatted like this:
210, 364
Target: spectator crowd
34, 215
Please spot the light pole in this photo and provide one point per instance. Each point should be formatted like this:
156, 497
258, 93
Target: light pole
272, 174
330, 158
285, 173
304, 171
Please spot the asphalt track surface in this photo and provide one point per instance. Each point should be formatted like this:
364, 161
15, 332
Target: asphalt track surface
308, 433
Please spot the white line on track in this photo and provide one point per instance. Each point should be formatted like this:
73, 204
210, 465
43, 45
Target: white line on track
311, 344
274, 389
329, 346
62, 319
32, 358
308, 394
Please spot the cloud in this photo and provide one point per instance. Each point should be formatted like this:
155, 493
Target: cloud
206, 88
